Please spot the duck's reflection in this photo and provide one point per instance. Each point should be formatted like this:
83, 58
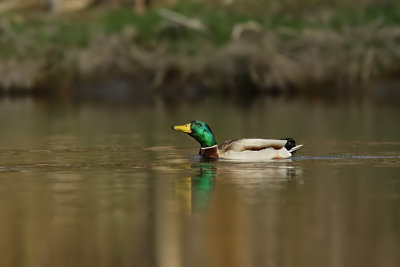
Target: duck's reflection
251, 180
195, 191
203, 184
227, 205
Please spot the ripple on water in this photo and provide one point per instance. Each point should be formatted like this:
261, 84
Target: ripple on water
346, 156
373, 160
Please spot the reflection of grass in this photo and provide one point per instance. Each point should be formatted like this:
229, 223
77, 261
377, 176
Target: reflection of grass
294, 50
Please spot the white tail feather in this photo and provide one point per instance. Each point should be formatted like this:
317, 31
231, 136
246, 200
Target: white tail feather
293, 149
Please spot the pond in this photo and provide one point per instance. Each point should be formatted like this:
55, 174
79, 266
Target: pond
85, 184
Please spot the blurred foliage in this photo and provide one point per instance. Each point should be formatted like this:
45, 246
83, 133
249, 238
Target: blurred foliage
261, 45
76, 29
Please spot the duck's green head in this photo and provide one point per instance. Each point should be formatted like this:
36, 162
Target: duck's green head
199, 130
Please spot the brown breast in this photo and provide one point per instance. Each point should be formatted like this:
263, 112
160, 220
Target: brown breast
211, 153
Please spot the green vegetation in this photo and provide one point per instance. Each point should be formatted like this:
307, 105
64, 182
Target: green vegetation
257, 46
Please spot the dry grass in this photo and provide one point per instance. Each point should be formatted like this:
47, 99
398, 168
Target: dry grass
313, 58
305, 60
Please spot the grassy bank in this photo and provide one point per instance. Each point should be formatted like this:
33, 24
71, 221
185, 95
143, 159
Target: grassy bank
194, 48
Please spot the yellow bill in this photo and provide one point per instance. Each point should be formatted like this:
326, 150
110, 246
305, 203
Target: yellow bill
183, 128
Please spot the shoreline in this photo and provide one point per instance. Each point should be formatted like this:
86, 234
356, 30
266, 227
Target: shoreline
58, 53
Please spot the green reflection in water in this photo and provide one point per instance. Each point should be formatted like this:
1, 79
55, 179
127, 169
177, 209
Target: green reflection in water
202, 184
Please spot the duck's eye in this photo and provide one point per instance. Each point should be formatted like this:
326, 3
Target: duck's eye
198, 124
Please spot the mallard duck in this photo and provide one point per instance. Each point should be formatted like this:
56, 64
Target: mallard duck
246, 148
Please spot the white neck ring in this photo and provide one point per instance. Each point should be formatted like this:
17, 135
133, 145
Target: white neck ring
208, 147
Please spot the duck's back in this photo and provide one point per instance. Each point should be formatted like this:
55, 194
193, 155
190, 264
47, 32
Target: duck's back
251, 144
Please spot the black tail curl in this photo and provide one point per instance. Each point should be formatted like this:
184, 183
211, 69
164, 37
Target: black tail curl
290, 144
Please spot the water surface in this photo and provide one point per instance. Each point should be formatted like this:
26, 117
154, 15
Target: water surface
101, 185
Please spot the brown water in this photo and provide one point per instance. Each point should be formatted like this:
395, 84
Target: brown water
101, 185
